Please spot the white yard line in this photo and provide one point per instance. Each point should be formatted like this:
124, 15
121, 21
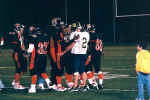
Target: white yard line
4, 67
107, 89
121, 90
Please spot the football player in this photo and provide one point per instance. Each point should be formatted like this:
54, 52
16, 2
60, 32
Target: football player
79, 51
32, 36
55, 48
39, 60
59, 45
94, 58
16, 42
66, 58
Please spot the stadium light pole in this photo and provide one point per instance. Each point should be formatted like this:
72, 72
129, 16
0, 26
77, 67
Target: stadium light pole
66, 12
114, 19
89, 11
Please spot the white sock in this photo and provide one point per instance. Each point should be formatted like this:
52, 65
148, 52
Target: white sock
101, 81
90, 81
47, 81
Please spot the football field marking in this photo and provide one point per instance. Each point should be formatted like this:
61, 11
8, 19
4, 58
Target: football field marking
107, 89
120, 90
4, 67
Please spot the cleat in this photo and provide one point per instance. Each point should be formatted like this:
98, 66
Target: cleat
32, 90
18, 86
61, 88
68, 89
84, 88
41, 86
52, 87
13, 83
93, 87
100, 86
1, 85
75, 89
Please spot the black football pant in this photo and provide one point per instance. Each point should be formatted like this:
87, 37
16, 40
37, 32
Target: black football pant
95, 62
20, 61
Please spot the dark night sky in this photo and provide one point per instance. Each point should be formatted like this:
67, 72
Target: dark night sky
133, 28
42, 11
126, 7
102, 12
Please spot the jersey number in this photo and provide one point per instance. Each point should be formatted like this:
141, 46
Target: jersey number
98, 45
42, 48
84, 43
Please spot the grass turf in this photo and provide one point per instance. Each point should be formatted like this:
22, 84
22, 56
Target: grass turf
118, 60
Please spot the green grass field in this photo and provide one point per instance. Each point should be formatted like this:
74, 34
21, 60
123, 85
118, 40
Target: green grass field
118, 63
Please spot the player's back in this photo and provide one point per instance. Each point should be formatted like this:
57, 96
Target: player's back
81, 44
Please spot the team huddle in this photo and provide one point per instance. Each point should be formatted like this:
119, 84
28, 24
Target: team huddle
74, 51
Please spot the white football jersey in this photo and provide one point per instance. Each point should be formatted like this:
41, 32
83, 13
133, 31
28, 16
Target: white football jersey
81, 44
